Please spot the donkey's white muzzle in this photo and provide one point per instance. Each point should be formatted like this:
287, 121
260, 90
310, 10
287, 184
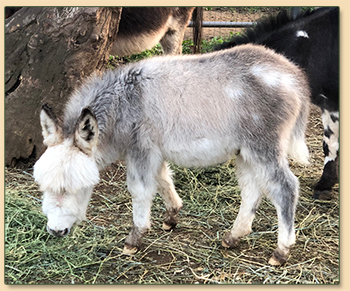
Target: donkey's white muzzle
58, 233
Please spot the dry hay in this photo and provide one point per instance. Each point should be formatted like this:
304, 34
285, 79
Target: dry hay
191, 253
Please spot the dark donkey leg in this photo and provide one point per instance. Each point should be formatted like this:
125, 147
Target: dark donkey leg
172, 40
173, 202
331, 149
283, 190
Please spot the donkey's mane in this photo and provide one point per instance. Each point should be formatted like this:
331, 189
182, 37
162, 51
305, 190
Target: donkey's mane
267, 25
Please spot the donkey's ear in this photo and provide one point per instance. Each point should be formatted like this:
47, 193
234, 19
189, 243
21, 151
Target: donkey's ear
51, 130
86, 131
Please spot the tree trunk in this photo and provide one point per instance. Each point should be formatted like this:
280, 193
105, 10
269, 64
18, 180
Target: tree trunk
48, 52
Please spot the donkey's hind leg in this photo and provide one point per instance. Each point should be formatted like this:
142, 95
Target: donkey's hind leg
283, 189
172, 42
172, 201
330, 175
251, 197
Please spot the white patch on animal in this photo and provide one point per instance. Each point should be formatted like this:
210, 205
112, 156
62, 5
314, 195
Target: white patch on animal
302, 33
332, 141
207, 152
299, 151
258, 71
270, 77
256, 117
234, 93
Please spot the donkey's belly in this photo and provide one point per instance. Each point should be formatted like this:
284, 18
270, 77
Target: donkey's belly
201, 152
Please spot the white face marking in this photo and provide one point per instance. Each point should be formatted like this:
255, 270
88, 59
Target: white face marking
302, 33
67, 177
63, 167
63, 210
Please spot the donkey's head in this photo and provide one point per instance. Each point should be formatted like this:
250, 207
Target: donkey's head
67, 171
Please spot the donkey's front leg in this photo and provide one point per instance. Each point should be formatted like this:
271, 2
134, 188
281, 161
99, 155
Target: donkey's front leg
141, 186
173, 202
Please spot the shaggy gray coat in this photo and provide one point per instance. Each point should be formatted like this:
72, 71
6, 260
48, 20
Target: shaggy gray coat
196, 110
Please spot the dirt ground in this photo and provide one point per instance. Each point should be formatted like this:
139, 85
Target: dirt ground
232, 14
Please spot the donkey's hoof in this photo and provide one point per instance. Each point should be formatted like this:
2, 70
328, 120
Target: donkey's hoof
168, 227
225, 245
229, 242
170, 219
129, 250
274, 262
277, 259
323, 195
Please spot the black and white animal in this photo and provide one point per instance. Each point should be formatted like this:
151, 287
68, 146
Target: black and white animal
311, 40
194, 111
141, 28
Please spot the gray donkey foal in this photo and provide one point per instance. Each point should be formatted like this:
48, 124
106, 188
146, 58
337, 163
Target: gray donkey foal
197, 110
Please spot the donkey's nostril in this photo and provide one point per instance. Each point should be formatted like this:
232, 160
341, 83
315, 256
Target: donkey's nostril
58, 233
65, 232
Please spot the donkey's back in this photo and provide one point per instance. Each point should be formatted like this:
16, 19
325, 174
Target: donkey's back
216, 104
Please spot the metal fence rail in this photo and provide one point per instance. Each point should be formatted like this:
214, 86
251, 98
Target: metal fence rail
224, 24
295, 12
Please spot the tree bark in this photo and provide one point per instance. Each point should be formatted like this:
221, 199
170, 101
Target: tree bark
48, 52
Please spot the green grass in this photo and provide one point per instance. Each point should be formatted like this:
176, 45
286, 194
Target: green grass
206, 46
190, 254
32, 256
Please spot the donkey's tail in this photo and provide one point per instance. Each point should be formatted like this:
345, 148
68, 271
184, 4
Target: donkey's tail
297, 145
299, 151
